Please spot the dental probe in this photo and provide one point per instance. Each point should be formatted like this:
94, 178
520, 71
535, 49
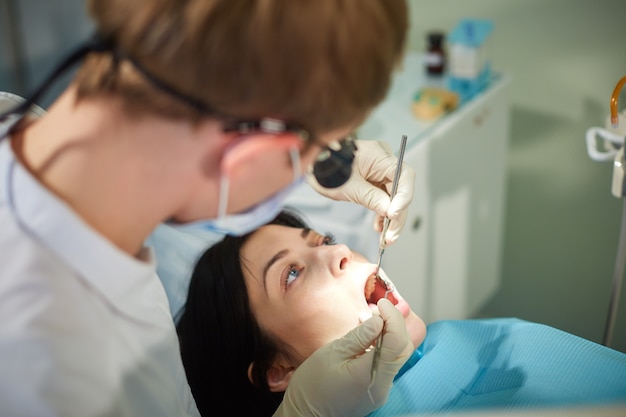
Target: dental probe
381, 245
388, 284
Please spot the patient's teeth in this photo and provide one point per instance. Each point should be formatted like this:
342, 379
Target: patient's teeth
370, 286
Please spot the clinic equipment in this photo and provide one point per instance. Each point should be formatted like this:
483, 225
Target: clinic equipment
430, 103
615, 142
435, 56
614, 97
469, 69
331, 169
383, 279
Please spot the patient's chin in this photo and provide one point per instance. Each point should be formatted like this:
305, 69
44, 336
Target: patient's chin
414, 324
402, 305
416, 328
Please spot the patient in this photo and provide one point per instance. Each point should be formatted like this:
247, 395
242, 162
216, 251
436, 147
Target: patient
284, 290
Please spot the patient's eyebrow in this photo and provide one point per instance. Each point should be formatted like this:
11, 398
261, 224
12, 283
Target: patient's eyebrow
281, 254
268, 265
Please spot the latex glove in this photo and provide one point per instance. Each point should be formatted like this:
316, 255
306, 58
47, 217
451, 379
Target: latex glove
370, 185
334, 380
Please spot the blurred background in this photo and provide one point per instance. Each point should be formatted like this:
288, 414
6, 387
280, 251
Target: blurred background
565, 58
561, 222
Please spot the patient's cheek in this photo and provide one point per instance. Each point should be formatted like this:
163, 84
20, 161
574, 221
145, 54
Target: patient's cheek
364, 315
404, 308
400, 303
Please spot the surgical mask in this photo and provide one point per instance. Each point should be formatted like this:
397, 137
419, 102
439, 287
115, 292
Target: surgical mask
241, 223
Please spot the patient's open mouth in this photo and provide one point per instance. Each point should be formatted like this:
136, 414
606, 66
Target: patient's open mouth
375, 290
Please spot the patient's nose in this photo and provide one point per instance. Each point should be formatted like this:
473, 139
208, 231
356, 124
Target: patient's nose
338, 258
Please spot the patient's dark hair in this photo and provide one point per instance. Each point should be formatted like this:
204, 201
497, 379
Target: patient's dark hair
219, 336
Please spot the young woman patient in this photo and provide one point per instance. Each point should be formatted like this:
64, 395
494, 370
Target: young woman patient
281, 292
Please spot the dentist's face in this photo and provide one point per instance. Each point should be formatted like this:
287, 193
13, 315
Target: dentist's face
269, 168
307, 291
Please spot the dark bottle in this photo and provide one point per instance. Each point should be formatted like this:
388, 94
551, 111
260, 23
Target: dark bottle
435, 57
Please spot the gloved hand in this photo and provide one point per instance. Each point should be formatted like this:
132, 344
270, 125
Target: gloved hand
370, 185
334, 380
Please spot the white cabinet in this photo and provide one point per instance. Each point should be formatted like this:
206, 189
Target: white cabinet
447, 261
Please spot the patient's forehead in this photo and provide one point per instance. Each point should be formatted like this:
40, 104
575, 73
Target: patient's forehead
274, 234
267, 240
269, 233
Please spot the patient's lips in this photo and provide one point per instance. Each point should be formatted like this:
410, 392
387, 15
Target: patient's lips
375, 290
370, 286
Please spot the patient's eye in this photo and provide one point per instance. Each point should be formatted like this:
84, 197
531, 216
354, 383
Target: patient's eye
292, 272
329, 239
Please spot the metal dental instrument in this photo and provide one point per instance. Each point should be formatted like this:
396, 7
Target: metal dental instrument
383, 279
381, 245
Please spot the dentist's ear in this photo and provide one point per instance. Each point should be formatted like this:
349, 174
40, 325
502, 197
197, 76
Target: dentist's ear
278, 376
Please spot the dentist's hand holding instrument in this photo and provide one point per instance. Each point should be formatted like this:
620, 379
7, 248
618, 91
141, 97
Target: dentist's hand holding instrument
370, 185
382, 277
386, 220
339, 372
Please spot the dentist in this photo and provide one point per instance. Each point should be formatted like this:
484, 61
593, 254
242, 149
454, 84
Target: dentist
202, 113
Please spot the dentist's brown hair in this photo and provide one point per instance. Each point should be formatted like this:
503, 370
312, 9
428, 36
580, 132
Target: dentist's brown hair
323, 63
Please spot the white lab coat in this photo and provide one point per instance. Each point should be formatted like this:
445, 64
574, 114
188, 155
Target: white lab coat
85, 329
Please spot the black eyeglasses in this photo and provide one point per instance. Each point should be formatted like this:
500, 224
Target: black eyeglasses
332, 168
